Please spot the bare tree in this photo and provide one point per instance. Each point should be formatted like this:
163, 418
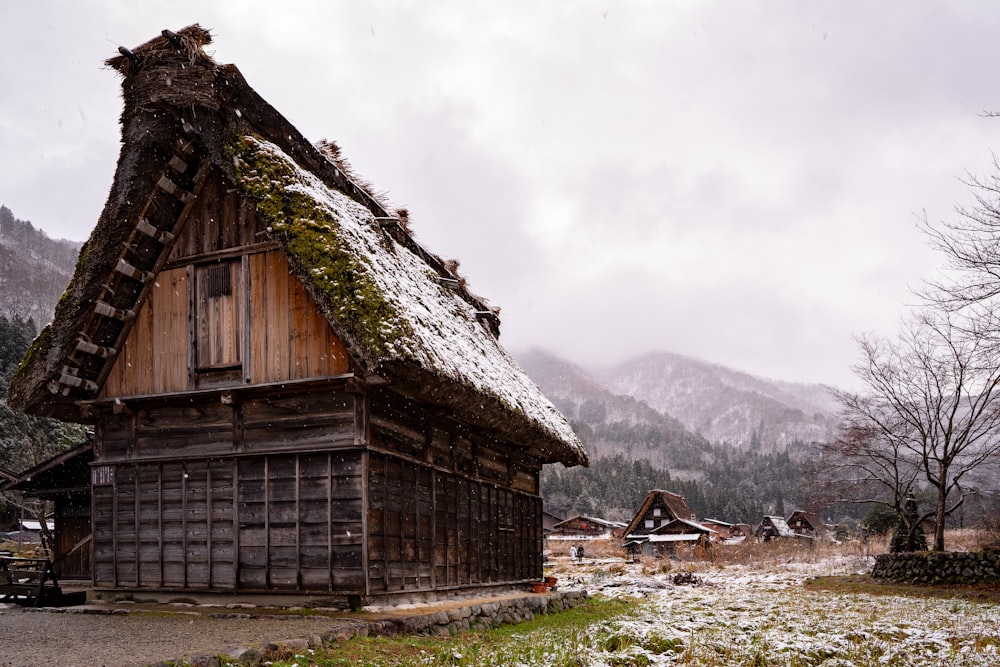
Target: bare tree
867, 462
971, 246
931, 404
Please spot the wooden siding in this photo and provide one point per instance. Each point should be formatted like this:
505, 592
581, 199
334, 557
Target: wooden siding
282, 522
289, 338
316, 419
154, 357
220, 220
431, 529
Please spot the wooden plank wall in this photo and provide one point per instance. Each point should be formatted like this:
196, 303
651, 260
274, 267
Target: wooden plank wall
154, 357
220, 219
281, 522
289, 338
433, 529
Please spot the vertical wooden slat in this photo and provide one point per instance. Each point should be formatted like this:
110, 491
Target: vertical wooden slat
138, 515
267, 522
209, 519
329, 523
298, 522
192, 333
236, 523
159, 516
114, 525
246, 318
184, 520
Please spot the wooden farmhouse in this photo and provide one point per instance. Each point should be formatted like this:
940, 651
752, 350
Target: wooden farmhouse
808, 524
288, 392
664, 540
588, 526
772, 527
659, 508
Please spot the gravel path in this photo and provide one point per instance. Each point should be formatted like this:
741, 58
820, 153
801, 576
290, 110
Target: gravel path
29, 638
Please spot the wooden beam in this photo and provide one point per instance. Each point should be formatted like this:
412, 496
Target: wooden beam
128, 270
85, 346
147, 228
107, 310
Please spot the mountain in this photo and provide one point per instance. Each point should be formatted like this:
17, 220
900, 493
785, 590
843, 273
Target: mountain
610, 423
34, 269
725, 405
704, 400
635, 447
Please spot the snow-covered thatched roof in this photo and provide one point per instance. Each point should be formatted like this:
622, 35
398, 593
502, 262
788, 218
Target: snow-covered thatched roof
406, 318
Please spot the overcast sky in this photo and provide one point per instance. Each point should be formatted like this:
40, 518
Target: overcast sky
735, 181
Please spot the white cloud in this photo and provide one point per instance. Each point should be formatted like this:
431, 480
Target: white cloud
733, 181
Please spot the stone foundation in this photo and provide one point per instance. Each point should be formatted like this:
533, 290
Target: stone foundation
938, 567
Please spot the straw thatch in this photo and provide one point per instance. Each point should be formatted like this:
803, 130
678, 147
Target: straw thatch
184, 114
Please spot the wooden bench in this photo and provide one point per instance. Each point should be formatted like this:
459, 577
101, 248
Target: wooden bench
28, 581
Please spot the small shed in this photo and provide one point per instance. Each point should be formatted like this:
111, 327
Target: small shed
659, 508
289, 393
64, 480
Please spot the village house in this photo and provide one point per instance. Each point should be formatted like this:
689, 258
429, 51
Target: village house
659, 508
808, 525
588, 527
772, 527
288, 393
664, 540
63, 480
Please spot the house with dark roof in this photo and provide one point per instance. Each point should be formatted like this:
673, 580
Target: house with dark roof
772, 527
808, 524
658, 509
588, 526
288, 392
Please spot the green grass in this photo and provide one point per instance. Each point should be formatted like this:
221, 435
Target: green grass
552, 639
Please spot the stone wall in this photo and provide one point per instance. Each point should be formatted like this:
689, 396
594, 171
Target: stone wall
938, 567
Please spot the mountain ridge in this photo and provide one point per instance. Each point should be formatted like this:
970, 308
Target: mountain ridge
720, 404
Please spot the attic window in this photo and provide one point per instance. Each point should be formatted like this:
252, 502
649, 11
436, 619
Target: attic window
219, 317
218, 281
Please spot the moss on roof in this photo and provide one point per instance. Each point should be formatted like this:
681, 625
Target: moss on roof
314, 238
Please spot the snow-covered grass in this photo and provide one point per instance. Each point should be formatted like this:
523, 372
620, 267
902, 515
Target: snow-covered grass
754, 614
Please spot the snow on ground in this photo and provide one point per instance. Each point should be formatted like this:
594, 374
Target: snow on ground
739, 615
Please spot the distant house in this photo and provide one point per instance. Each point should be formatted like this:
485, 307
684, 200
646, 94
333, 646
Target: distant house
659, 508
549, 521
808, 525
289, 393
772, 527
721, 530
588, 526
664, 540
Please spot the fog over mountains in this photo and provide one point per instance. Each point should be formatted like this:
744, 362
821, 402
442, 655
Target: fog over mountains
719, 404
687, 402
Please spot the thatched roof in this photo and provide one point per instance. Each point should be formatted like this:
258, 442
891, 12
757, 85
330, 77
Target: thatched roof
406, 318
672, 502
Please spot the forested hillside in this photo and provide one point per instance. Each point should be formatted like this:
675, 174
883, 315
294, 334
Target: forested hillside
635, 448
24, 440
34, 269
